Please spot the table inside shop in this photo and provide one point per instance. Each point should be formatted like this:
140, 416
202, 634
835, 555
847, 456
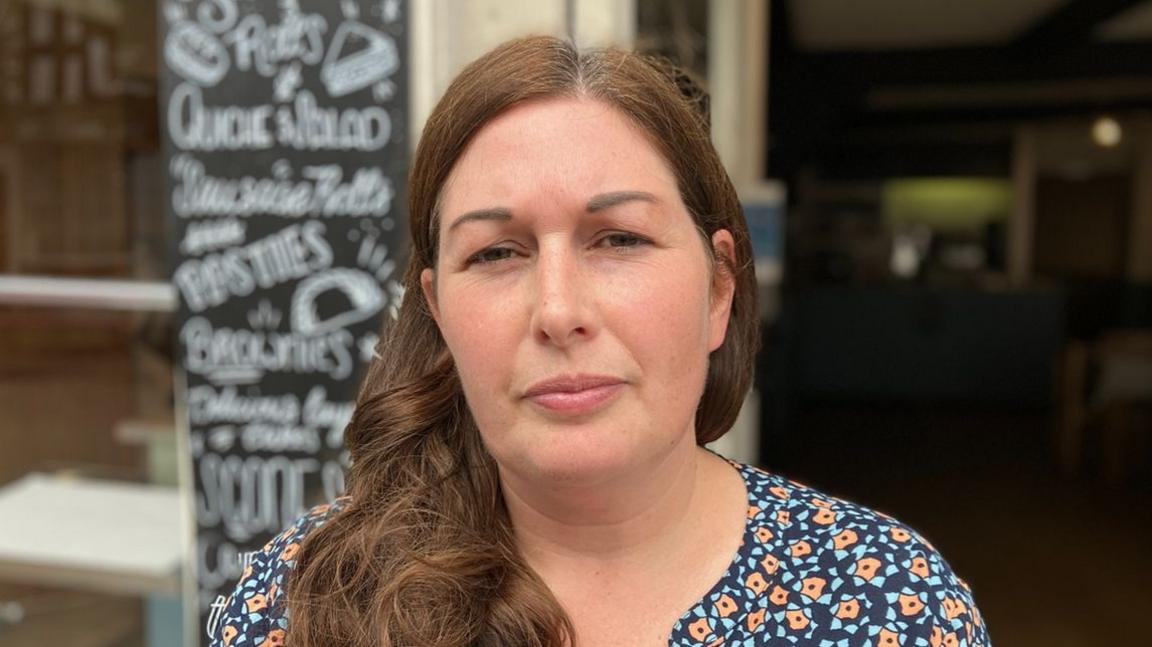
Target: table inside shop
88, 534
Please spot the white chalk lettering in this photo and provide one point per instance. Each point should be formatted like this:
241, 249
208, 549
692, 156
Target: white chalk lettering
207, 235
206, 406
307, 126
357, 57
218, 563
213, 280
247, 558
320, 412
363, 296
214, 617
369, 192
289, 254
262, 47
322, 193
195, 54
224, 354
251, 495
194, 126
277, 438
217, 15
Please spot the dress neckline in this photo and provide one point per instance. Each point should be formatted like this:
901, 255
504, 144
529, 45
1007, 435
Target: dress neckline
737, 558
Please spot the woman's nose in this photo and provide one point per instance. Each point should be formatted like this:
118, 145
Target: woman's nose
562, 314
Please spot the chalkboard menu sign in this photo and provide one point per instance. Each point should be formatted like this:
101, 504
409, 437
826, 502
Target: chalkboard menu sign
284, 125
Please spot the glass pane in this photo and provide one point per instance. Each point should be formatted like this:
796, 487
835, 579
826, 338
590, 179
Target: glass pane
79, 141
85, 403
86, 414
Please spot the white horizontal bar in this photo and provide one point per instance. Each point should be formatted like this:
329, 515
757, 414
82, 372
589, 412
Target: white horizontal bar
106, 294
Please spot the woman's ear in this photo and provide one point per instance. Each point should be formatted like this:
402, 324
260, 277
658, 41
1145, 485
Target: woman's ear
723, 286
428, 285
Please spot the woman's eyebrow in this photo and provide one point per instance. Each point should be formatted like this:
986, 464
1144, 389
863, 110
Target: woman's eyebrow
606, 200
491, 213
597, 203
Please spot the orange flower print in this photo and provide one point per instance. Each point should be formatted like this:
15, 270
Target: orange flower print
866, 568
813, 587
725, 606
953, 608
784, 517
846, 538
821, 503
770, 563
700, 629
272, 591
719, 642
937, 637
919, 566
756, 582
229, 634
801, 548
910, 605
275, 639
256, 603
848, 609
763, 534
247, 573
796, 619
779, 595
950, 640
824, 517
755, 619
888, 638
290, 551
779, 492
899, 534
753, 511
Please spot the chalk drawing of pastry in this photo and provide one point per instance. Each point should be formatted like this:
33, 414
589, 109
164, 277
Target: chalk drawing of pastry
357, 57
195, 54
362, 293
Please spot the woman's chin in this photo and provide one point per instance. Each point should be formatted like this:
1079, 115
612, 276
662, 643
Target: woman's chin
572, 464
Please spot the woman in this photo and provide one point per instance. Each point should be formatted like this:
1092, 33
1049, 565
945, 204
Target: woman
527, 466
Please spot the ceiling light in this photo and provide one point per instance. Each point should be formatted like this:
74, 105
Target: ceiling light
1106, 132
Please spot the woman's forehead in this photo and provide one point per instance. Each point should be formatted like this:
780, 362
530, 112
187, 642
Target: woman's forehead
577, 145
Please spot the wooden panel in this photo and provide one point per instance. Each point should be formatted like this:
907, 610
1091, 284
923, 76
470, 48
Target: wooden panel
1081, 227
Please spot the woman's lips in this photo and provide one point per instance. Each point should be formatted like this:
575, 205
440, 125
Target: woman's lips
575, 394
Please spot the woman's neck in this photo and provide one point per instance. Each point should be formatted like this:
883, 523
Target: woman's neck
614, 525
605, 551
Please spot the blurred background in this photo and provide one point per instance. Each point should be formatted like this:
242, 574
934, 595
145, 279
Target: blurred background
951, 204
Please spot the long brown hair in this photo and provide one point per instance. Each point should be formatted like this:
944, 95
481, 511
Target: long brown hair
424, 553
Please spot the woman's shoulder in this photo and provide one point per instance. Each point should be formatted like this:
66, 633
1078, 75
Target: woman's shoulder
254, 611
829, 569
803, 509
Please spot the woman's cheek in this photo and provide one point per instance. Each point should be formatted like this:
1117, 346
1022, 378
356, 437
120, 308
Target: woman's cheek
482, 333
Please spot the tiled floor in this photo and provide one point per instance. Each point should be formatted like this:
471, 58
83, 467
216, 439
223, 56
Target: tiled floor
1053, 561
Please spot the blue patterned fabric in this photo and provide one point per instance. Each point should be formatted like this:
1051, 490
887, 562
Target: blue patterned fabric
812, 570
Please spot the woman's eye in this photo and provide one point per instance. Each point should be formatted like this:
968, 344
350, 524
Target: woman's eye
621, 239
490, 255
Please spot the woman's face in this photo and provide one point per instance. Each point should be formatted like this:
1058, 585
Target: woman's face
575, 293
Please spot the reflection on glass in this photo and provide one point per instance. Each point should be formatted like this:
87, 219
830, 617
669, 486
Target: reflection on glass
78, 140
85, 393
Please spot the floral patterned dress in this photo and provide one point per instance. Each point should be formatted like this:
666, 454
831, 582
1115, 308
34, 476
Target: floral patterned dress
812, 570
